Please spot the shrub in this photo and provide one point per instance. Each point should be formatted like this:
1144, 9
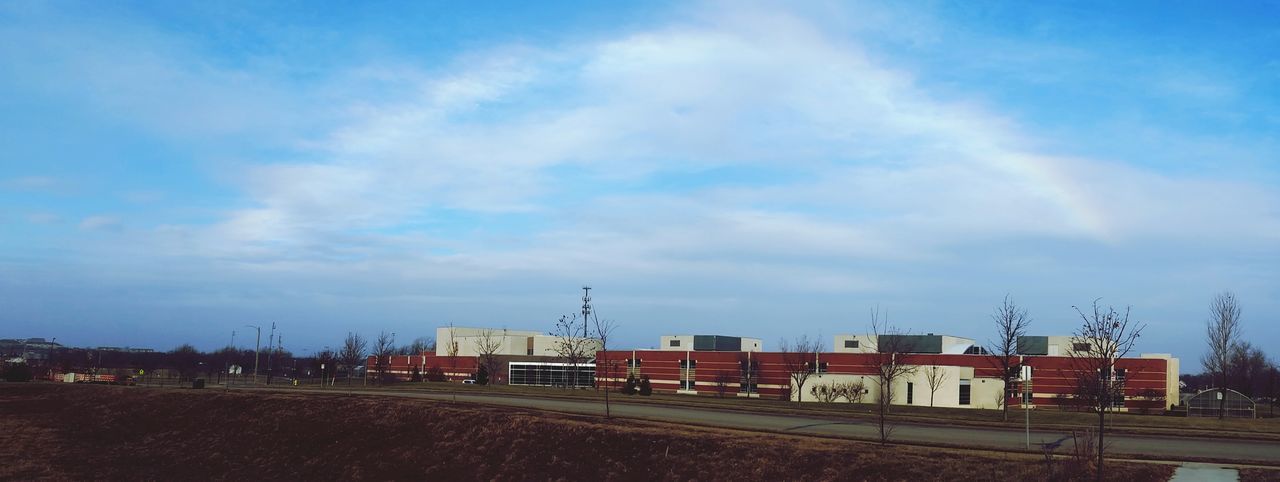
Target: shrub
435, 374
17, 372
645, 388
482, 376
630, 387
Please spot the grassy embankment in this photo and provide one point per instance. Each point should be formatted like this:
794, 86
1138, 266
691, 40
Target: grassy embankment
1262, 428
102, 432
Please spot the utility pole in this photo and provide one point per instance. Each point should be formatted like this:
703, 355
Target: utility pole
257, 350
586, 310
271, 343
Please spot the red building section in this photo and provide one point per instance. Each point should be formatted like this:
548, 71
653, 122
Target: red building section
706, 372
427, 366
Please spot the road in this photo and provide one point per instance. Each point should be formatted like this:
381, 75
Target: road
1172, 448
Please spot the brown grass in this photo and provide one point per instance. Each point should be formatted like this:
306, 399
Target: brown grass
1046, 418
1259, 475
54, 431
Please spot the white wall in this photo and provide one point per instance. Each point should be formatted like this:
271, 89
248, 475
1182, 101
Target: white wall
984, 393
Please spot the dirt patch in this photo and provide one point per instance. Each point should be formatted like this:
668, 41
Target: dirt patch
54, 431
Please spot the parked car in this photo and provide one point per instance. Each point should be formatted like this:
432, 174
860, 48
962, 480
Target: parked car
469, 381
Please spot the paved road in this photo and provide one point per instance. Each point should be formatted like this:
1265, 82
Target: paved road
1158, 446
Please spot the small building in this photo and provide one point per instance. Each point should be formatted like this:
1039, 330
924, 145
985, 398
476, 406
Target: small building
1214, 401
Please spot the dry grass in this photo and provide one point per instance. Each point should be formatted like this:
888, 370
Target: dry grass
79, 432
1259, 475
1263, 429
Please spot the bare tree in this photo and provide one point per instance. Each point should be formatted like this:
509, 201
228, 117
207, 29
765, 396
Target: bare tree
1011, 324
1223, 335
797, 356
574, 350
352, 353
383, 348
451, 349
935, 376
487, 345
851, 391
325, 361
419, 346
1104, 337
891, 347
604, 328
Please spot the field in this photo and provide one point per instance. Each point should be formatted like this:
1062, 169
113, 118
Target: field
55, 431
1260, 428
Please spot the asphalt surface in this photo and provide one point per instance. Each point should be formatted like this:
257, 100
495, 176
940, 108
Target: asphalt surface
1169, 448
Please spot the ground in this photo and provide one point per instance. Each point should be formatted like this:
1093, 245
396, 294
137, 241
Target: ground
55, 431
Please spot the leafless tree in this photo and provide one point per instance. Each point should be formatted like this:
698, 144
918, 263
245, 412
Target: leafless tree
419, 346
325, 364
798, 357
451, 349
825, 392
851, 391
1104, 337
488, 344
352, 353
1223, 335
574, 350
383, 348
935, 376
1011, 324
603, 330
891, 366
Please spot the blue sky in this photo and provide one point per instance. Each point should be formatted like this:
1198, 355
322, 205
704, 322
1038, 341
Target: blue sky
172, 172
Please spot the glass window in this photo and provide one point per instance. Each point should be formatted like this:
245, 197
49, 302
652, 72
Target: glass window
675, 342
964, 392
910, 392
851, 343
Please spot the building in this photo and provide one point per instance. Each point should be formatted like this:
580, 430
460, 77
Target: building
520, 358
966, 377
509, 342
709, 343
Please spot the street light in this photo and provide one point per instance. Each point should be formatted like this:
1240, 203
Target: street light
257, 346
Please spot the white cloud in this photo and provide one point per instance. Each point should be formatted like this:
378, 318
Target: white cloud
99, 223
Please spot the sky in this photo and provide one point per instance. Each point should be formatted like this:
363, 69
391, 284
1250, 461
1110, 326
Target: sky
172, 172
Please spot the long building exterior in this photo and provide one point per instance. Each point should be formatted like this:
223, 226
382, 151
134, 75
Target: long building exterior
964, 375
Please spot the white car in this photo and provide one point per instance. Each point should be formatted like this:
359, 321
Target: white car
469, 381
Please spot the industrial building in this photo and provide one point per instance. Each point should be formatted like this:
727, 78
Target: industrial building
965, 376
948, 371
521, 358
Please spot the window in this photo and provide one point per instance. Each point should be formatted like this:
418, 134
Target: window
686, 384
752, 387
675, 342
964, 392
822, 367
688, 363
851, 343
1080, 347
976, 350
1120, 375
911, 391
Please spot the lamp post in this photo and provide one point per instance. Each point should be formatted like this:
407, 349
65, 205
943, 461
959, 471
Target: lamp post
257, 347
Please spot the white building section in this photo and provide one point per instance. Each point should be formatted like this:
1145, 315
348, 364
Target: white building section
709, 343
510, 342
927, 343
